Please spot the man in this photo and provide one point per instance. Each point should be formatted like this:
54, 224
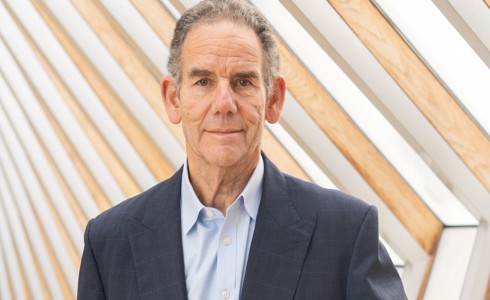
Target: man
229, 224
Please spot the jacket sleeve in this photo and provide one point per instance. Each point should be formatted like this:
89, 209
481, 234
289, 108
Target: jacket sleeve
89, 282
372, 274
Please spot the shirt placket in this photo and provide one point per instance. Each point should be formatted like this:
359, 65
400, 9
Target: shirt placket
227, 251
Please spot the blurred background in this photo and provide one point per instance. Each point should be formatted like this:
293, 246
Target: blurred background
387, 100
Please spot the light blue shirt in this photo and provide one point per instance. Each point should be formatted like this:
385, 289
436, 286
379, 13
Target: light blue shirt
216, 247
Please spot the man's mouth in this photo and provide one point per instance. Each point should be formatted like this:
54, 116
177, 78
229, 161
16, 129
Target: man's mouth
224, 131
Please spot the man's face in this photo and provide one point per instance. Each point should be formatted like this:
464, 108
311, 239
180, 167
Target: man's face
222, 96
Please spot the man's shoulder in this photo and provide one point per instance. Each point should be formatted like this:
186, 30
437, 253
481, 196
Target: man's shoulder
115, 220
312, 197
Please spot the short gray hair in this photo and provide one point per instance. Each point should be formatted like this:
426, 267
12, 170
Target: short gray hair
238, 12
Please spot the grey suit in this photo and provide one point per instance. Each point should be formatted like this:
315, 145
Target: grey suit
309, 243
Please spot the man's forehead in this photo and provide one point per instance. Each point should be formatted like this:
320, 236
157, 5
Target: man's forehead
223, 32
213, 50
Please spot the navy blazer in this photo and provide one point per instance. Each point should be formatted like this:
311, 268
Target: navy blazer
309, 243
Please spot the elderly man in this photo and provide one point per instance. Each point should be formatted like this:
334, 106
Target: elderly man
229, 224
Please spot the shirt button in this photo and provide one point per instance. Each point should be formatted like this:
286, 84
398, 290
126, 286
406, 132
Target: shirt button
227, 241
209, 213
225, 294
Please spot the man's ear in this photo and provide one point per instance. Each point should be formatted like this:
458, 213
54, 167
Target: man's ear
276, 101
171, 100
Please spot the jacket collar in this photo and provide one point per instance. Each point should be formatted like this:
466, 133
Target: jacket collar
157, 245
279, 244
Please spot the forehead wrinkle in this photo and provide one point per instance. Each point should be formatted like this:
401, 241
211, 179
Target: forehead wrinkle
225, 52
206, 64
210, 54
225, 43
210, 49
228, 42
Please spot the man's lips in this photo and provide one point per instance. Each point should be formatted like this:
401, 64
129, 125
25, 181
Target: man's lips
223, 131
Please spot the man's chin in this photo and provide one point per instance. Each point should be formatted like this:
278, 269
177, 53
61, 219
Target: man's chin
223, 160
227, 158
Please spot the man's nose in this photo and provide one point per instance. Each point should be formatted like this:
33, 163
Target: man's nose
225, 102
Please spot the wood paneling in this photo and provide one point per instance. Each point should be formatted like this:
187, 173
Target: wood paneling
17, 280
3, 261
54, 263
279, 156
62, 231
115, 166
421, 86
148, 86
101, 200
61, 181
61, 278
140, 140
157, 17
36, 266
69, 243
122, 176
20, 263
487, 293
422, 224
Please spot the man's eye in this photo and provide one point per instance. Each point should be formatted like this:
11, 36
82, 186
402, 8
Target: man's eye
244, 82
203, 82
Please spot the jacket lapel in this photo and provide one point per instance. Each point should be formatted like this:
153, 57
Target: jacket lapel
156, 244
280, 242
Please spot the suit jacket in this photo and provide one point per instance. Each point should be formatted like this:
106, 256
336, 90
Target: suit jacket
309, 243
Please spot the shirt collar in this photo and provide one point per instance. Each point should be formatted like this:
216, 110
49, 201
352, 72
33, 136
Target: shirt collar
191, 205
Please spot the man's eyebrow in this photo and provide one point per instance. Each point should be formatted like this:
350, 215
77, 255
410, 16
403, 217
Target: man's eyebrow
199, 73
249, 74
206, 73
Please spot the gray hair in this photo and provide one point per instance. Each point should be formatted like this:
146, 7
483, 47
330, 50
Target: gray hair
236, 11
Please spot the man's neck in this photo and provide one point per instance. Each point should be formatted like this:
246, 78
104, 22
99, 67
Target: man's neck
218, 187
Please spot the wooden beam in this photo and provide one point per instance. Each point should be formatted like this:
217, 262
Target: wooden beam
152, 68
61, 182
32, 250
487, 293
148, 86
20, 263
114, 164
99, 197
160, 20
157, 17
16, 175
405, 204
3, 261
61, 279
117, 169
147, 150
69, 242
425, 278
487, 2
62, 232
418, 82
280, 156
